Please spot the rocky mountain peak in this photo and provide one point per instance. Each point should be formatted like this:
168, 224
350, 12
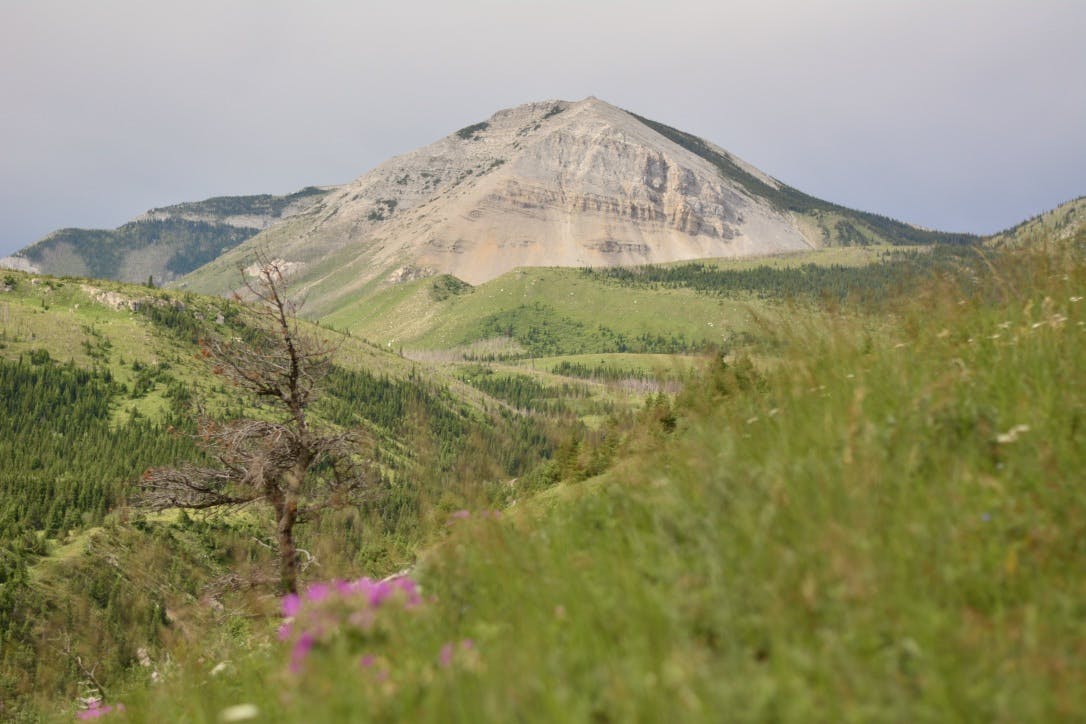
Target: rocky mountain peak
549, 183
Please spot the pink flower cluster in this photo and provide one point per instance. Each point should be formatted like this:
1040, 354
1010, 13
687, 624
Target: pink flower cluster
325, 610
95, 709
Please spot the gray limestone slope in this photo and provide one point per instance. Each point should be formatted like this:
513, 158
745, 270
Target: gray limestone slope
163, 243
544, 184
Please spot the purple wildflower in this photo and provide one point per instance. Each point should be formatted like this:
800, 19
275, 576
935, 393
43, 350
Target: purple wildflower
292, 603
318, 592
446, 655
367, 661
377, 593
327, 610
301, 650
95, 709
409, 587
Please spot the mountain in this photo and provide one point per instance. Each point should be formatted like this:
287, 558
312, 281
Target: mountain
163, 243
553, 183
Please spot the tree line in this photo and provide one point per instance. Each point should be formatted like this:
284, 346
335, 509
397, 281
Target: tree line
892, 273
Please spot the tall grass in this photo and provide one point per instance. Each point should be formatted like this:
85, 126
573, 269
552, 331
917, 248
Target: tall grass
884, 526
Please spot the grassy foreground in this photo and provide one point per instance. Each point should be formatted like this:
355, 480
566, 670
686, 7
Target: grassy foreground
871, 530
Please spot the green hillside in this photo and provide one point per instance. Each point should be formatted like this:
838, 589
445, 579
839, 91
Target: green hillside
1066, 221
677, 308
165, 244
853, 495
870, 529
99, 381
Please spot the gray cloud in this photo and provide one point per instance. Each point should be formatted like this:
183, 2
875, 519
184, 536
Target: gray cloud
956, 114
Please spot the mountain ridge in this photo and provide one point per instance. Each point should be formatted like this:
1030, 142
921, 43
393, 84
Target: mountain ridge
162, 243
549, 183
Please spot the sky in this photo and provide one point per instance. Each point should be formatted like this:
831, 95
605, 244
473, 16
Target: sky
961, 115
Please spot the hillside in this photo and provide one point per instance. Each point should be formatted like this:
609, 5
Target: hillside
99, 381
554, 183
678, 308
875, 528
161, 244
864, 507
1065, 222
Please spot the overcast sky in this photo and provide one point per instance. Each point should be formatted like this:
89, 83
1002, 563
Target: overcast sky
953, 114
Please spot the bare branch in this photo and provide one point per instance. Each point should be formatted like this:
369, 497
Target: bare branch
190, 487
262, 460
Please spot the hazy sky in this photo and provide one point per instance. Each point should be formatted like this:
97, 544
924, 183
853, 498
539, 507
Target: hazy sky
954, 114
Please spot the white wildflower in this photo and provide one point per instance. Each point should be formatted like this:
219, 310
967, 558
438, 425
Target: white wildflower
1011, 435
239, 712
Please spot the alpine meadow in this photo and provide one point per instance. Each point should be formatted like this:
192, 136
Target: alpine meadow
567, 416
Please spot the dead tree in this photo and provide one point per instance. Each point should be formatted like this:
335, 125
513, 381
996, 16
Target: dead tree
274, 460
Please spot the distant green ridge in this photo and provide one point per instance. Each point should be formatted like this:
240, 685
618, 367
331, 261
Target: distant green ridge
1066, 221
165, 243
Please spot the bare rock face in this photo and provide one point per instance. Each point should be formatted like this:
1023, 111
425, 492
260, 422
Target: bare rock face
18, 264
544, 184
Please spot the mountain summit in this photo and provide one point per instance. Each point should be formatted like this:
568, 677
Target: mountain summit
543, 184
552, 183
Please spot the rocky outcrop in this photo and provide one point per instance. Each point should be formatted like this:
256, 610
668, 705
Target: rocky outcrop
18, 263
